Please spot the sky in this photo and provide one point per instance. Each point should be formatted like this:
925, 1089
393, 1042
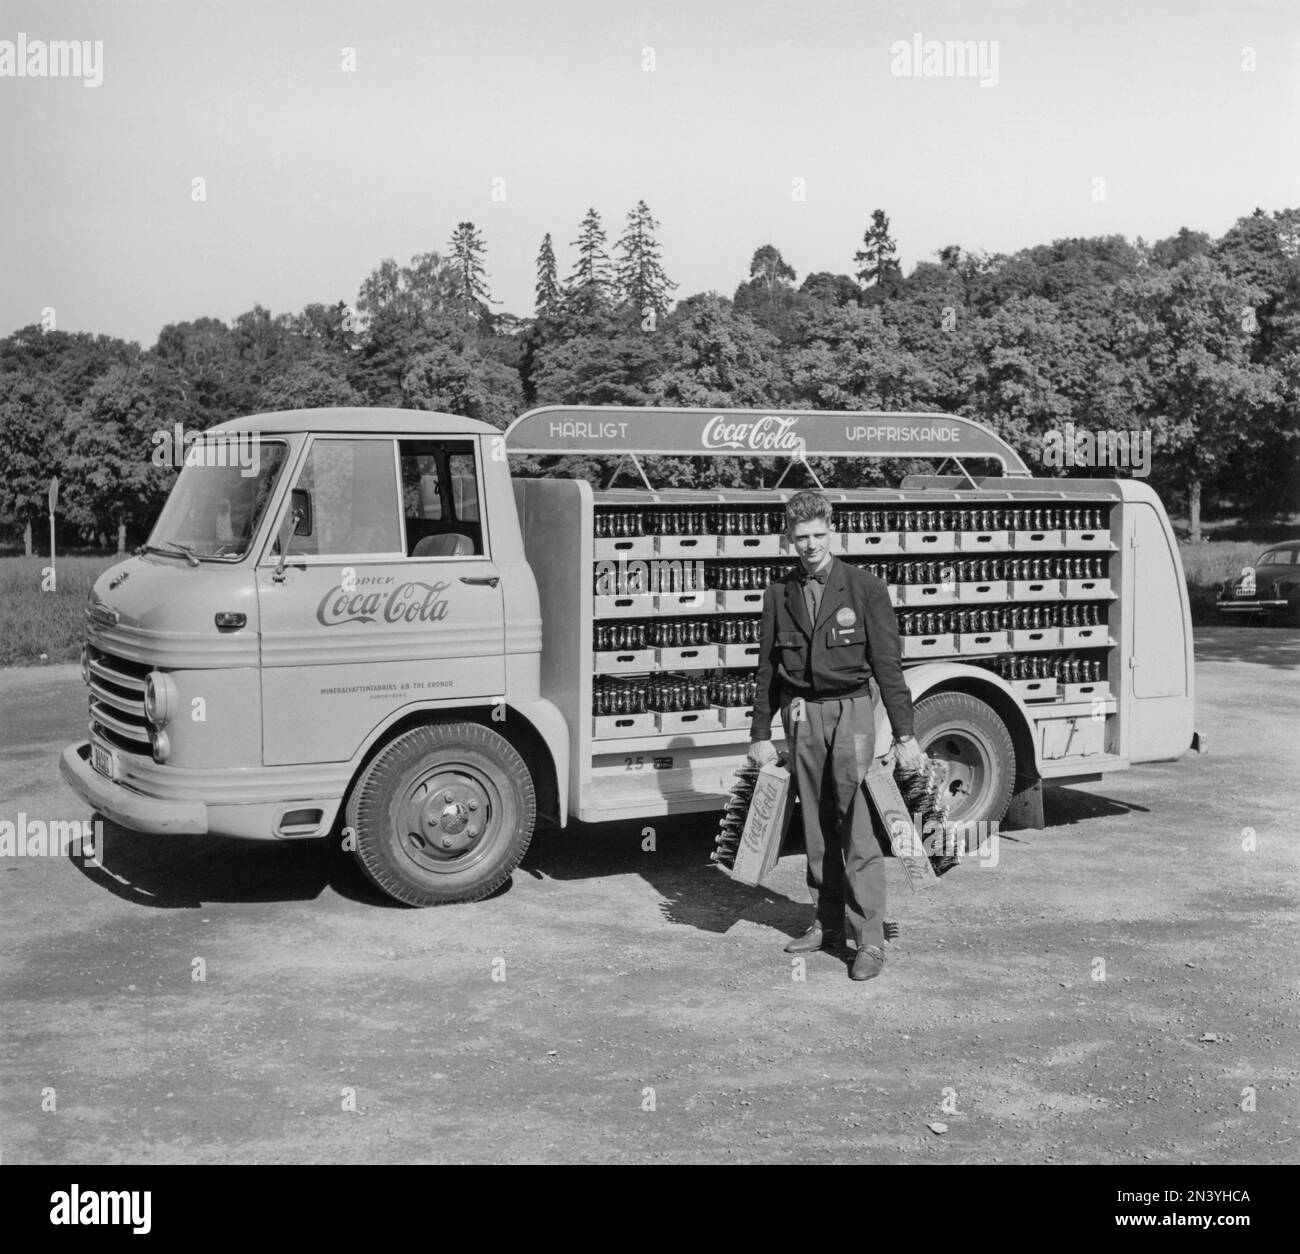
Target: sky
740, 123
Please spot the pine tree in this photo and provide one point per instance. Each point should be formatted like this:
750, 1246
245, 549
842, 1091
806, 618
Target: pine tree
467, 249
639, 278
548, 284
588, 285
878, 265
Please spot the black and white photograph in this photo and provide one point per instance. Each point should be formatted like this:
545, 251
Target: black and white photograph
650, 583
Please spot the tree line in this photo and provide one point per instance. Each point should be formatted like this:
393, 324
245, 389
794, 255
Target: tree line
1194, 339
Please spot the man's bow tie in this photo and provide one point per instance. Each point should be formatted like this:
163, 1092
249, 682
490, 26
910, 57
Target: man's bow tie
818, 575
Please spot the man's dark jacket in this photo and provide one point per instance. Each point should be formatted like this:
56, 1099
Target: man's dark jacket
854, 639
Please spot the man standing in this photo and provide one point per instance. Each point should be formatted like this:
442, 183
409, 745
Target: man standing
828, 631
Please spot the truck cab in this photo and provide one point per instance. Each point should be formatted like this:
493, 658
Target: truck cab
299, 619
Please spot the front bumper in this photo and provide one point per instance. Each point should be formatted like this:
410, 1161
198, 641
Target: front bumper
125, 807
1240, 605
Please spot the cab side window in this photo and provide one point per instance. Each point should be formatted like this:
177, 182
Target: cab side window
440, 498
354, 500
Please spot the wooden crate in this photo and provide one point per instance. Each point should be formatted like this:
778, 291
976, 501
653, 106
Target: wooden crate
687, 657
929, 646
983, 541
734, 716
974, 593
684, 603
1037, 541
928, 594
622, 726
688, 721
1086, 589
749, 546
1034, 689
983, 642
738, 655
731, 601
686, 546
1084, 637
624, 661
641, 605
1098, 690
607, 549
1035, 590
929, 541
1035, 638
1087, 541
865, 543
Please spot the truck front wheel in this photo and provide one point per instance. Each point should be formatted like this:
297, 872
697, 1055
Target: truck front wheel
444, 813
969, 738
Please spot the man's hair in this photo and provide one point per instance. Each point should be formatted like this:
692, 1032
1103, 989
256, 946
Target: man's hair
808, 507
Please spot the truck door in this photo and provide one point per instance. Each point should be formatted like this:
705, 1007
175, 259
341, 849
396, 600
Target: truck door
389, 596
1159, 675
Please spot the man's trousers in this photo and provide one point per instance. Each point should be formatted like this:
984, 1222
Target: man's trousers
831, 748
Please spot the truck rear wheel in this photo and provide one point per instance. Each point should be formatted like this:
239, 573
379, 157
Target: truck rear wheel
444, 813
970, 739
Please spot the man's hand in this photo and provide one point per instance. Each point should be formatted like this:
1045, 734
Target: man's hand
908, 754
761, 752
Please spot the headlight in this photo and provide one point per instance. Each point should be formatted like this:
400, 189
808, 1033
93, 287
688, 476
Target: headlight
85, 664
160, 698
160, 745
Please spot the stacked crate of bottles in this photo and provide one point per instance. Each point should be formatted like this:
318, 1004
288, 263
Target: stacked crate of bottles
1020, 589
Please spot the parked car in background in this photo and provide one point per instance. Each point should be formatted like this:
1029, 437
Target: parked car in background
1270, 588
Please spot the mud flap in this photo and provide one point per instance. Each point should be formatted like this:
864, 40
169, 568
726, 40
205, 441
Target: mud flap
1025, 813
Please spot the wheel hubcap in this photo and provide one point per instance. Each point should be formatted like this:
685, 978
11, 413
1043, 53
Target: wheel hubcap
968, 761
445, 815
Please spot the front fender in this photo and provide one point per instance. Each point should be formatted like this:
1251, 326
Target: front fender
551, 726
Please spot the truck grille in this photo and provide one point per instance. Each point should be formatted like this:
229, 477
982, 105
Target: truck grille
117, 701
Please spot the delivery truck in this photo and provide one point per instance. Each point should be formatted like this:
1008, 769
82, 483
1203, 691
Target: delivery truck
369, 630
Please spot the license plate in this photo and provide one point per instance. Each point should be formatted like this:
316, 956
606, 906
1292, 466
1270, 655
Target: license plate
1244, 591
104, 761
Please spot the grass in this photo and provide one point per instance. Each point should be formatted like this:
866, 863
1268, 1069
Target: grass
34, 622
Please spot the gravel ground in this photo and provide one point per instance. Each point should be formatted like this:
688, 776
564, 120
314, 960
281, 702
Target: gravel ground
614, 1004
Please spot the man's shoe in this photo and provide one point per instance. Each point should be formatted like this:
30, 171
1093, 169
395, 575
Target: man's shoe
816, 937
867, 964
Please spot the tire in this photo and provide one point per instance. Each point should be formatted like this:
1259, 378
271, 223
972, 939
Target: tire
968, 735
443, 814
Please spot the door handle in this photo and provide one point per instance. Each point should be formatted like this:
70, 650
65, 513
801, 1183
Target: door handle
490, 580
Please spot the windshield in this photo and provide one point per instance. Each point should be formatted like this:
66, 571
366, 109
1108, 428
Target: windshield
1281, 557
217, 504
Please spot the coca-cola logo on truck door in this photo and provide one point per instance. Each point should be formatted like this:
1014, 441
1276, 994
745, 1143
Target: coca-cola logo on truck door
411, 602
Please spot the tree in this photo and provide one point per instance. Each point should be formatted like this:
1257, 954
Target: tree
462, 382
877, 260
427, 286
718, 357
467, 250
315, 383
639, 277
612, 363
112, 482
588, 285
1192, 349
1167, 253
32, 418
853, 360
1011, 387
769, 297
548, 285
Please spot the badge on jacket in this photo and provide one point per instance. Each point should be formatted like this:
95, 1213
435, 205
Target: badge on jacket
845, 617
